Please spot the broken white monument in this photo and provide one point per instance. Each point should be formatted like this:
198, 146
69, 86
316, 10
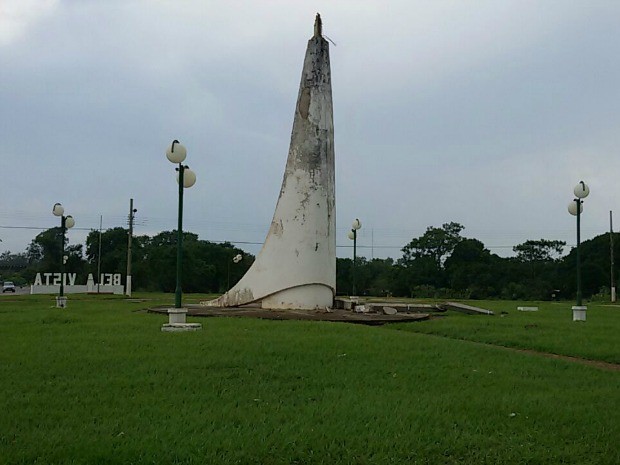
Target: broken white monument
296, 268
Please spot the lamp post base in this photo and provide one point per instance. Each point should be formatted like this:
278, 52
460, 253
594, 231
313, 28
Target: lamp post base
177, 321
178, 327
579, 312
61, 301
176, 315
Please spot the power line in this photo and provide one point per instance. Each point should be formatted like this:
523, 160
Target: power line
35, 228
361, 246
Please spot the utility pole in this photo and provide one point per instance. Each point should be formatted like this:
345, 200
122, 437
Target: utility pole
372, 242
99, 256
611, 247
132, 212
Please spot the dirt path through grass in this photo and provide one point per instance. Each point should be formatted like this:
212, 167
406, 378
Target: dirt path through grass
583, 361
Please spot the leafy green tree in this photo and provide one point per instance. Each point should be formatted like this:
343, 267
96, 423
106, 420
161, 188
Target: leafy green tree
207, 267
12, 267
424, 256
436, 243
595, 266
400, 281
468, 251
13, 261
344, 282
469, 267
534, 270
226, 272
157, 271
542, 250
45, 250
75, 261
113, 250
372, 277
378, 277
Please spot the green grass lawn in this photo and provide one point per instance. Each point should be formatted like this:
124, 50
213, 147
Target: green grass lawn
550, 329
99, 383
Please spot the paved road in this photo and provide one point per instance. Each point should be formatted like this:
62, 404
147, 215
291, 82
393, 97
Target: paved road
18, 291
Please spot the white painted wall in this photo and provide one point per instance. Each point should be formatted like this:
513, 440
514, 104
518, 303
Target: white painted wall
76, 289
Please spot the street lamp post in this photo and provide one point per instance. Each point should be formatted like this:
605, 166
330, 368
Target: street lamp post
66, 222
353, 236
176, 154
575, 208
132, 215
236, 259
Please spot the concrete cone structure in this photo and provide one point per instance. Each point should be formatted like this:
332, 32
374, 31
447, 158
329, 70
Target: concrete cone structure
296, 268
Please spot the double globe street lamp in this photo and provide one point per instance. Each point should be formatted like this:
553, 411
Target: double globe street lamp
176, 154
575, 208
66, 222
353, 236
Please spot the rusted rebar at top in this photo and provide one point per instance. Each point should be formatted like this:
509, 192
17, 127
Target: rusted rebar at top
318, 26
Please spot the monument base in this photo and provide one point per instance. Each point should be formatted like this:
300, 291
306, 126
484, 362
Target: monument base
579, 312
61, 301
307, 297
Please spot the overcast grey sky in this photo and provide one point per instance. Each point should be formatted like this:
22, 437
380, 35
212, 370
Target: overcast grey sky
482, 112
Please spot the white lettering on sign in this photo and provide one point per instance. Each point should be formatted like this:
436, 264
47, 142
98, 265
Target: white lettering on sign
110, 279
53, 279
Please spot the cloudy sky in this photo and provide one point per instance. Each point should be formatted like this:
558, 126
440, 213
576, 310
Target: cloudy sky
482, 112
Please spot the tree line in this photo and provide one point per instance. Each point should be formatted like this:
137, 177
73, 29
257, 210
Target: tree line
207, 266
440, 263
443, 264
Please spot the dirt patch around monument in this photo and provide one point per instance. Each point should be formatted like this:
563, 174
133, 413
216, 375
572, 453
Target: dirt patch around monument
336, 315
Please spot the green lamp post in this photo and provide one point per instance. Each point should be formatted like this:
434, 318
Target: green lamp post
176, 153
66, 222
353, 236
575, 208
